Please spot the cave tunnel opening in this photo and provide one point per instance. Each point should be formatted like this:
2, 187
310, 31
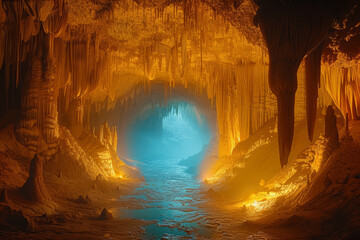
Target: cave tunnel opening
168, 143
176, 131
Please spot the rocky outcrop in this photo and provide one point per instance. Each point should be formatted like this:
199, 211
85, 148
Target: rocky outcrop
34, 188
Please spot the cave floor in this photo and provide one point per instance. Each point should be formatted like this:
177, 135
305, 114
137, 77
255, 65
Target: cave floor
172, 200
169, 204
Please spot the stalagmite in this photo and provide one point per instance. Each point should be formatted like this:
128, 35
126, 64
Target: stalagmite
34, 188
331, 130
290, 32
105, 215
4, 197
312, 83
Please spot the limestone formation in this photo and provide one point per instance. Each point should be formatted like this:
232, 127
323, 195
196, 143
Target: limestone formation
4, 197
331, 130
39, 116
107, 136
76, 117
34, 188
105, 215
288, 40
99, 148
312, 83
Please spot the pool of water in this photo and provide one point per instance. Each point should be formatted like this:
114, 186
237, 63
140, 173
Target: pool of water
170, 197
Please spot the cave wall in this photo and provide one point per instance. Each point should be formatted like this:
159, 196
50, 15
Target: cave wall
100, 54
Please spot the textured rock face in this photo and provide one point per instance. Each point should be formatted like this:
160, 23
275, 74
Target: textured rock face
39, 116
100, 147
34, 188
72, 160
76, 117
107, 136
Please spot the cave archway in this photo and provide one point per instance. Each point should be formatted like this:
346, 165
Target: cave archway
155, 102
176, 130
166, 133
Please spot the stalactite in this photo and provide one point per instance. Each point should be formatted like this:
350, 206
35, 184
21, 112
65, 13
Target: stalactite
56, 23
312, 83
289, 34
202, 52
235, 89
343, 85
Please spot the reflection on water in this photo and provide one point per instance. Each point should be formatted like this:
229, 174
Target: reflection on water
170, 197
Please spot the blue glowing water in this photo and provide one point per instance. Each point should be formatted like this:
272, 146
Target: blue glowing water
159, 139
168, 197
168, 147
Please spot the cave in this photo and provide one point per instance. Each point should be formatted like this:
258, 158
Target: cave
180, 119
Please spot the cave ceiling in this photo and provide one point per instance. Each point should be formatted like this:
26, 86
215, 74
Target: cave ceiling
121, 24
123, 27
